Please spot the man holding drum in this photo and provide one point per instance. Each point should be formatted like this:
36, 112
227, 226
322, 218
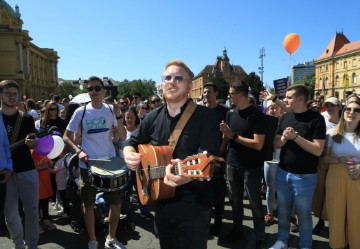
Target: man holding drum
100, 127
182, 221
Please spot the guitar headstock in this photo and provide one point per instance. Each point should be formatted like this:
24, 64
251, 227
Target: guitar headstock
199, 166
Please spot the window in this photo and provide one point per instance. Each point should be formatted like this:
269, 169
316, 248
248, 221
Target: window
354, 62
320, 69
327, 81
354, 78
337, 65
337, 80
345, 64
321, 83
327, 68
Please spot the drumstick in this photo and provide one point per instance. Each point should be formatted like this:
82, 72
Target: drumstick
99, 160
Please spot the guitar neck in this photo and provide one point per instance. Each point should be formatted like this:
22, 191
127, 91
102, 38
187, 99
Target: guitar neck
159, 172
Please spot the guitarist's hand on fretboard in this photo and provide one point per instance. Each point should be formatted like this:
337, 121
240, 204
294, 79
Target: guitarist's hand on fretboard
174, 180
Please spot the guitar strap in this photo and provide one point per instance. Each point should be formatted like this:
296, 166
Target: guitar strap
174, 137
17, 127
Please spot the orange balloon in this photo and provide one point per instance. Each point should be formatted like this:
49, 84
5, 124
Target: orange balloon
291, 42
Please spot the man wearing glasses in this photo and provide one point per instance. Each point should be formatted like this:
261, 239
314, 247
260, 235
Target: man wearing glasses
24, 184
244, 131
100, 128
136, 99
182, 221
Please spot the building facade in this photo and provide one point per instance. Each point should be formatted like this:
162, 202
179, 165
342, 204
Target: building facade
300, 71
338, 68
33, 68
230, 73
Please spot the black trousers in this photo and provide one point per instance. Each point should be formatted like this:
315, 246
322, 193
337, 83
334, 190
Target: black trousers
185, 228
2, 202
251, 177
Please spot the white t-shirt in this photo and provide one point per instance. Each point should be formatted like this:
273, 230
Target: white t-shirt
97, 133
346, 148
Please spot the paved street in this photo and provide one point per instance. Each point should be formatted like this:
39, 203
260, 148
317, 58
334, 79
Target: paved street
143, 237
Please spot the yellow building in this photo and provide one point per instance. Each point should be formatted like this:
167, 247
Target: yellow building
338, 68
230, 73
33, 68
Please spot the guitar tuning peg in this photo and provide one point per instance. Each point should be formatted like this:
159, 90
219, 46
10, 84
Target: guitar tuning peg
205, 152
208, 179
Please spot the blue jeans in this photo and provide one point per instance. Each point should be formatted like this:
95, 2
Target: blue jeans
295, 189
270, 174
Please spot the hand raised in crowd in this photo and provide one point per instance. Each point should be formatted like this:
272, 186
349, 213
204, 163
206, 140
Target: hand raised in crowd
266, 95
174, 180
117, 108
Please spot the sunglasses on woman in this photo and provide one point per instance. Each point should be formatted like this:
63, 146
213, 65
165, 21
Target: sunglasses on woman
349, 109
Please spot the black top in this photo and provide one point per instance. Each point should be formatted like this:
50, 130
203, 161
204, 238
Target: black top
271, 124
309, 125
200, 133
22, 160
59, 123
245, 123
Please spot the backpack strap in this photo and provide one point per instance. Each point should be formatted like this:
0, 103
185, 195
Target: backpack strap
82, 117
17, 127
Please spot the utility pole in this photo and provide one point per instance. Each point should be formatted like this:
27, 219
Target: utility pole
261, 69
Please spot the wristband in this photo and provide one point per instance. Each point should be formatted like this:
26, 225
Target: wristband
78, 152
297, 134
274, 99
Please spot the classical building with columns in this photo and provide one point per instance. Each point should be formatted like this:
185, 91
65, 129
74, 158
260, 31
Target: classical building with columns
230, 73
338, 68
33, 68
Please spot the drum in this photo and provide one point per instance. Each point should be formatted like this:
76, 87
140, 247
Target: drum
109, 175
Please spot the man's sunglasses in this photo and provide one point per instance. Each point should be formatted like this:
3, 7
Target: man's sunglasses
155, 101
355, 110
124, 103
177, 78
92, 88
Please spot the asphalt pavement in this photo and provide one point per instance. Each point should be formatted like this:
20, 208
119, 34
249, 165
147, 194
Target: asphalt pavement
143, 236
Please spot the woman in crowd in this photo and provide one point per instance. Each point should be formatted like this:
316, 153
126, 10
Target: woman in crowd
155, 101
342, 182
332, 118
31, 109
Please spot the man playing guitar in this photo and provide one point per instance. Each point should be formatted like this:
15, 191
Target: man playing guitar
182, 221
24, 184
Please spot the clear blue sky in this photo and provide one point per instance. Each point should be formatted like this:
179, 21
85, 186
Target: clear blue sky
133, 39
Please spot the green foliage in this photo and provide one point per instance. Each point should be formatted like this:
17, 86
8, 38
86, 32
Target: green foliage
309, 83
222, 85
254, 83
67, 87
145, 87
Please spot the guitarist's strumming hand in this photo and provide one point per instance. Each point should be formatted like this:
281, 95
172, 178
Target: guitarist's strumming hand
175, 180
30, 140
131, 157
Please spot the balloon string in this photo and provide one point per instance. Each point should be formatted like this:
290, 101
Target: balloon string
289, 69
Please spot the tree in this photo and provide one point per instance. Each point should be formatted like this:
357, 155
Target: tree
145, 87
309, 82
254, 82
218, 80
67, 88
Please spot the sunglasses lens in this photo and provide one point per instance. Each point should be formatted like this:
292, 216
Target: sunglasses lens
179, 78
97, 88
92, 88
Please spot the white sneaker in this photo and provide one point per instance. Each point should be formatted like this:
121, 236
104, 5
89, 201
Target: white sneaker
47, 225
113, 243
93, 244
279, 245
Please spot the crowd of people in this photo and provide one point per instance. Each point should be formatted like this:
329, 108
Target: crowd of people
305, 152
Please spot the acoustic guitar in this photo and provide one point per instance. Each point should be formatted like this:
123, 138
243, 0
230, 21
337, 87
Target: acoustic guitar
154, 159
